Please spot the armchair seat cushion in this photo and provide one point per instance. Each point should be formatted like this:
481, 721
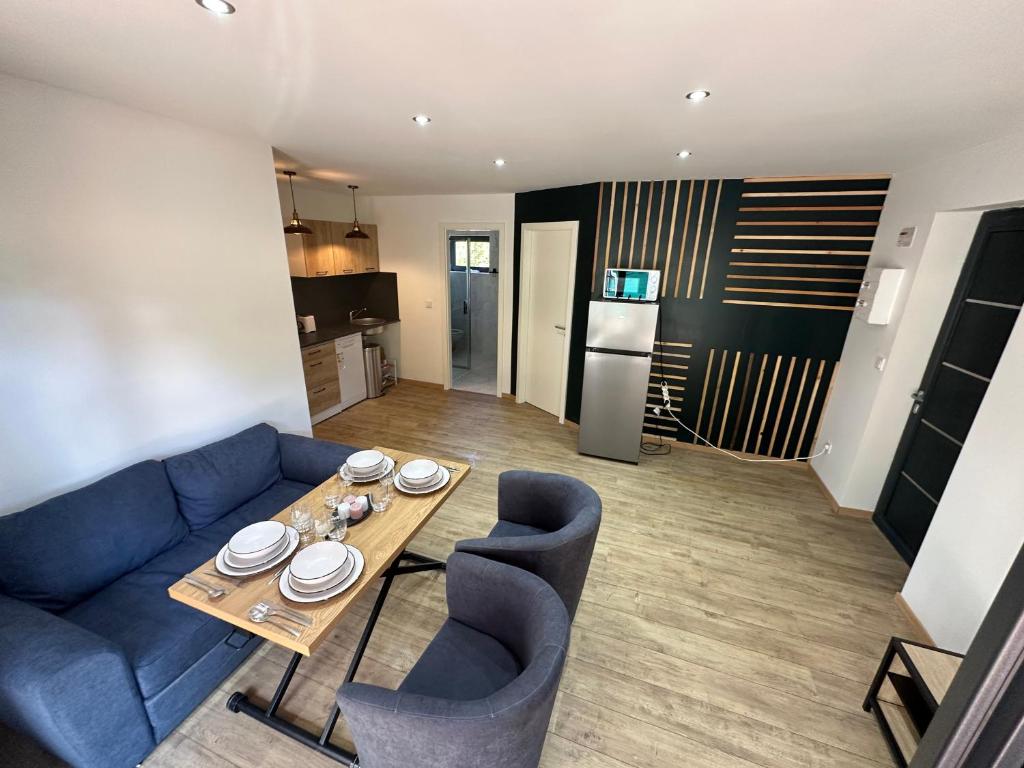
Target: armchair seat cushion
506, 528
461, 664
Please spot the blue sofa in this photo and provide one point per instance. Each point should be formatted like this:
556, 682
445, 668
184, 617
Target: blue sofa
97, 663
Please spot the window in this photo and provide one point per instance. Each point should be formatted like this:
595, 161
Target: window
478, 250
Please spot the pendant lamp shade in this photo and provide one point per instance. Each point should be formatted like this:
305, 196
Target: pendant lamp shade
296, 227
356, 233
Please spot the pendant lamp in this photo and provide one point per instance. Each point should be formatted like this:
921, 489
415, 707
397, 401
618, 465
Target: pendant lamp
356, 233
296, 227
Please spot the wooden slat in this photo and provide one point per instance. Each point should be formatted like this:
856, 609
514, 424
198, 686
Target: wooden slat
824, 404
711, 237
672, 365
697, 234
819, 193
611, 218
647, 224
847, 267
673, 344
657, 233
636, 213
704, 391
861, 238
622, 223
810, 405
718, 392
902, 728
597, 239
743, 399
671, 237
844, 177
803, 252
767, 404
670, 354
788, 278
748, 209
806, 223
782, 304
791, 290
753, 403
670, 386
782, 405
682, 245
796, 407
728, 398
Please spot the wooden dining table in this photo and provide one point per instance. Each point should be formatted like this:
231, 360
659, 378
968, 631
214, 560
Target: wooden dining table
382, 539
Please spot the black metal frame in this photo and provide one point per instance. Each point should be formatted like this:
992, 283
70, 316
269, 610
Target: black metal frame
239, 702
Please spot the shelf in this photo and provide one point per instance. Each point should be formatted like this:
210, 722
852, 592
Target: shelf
936, 668
898, 720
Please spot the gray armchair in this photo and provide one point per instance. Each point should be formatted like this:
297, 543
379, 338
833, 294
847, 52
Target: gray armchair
547, 524
481, 694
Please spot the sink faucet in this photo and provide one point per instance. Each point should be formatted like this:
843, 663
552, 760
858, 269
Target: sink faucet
354, 312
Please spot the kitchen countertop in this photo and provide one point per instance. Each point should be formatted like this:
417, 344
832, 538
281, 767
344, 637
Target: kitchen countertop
330, 333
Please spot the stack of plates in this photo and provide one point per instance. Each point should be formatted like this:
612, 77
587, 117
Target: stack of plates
367, 466
321, 571
257, 548
421, 476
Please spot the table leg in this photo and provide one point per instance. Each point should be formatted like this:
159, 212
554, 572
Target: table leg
239, 702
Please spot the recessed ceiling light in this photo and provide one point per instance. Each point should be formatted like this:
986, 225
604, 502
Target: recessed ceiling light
421, 119
499, 162
684, 154
698, 95
220, 7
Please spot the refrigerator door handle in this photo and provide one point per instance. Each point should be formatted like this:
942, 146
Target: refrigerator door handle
559, 327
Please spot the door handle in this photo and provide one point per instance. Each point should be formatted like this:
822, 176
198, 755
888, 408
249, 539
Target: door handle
559, 327
918, 398
465, 307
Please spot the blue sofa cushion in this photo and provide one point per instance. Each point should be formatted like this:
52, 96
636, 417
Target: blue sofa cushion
506, 528
461, 664
57, 553
161, 637
215, 479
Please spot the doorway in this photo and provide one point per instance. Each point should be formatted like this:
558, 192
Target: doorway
473, 300
985, 306
547, 277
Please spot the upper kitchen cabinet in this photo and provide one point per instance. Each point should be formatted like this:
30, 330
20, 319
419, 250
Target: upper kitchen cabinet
355, 255
312, 255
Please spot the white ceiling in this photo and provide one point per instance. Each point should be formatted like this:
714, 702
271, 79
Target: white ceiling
567, 91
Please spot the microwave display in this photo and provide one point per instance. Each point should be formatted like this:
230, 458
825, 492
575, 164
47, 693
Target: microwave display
632, 284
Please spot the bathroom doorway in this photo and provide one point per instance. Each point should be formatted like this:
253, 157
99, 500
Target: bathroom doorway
473, 303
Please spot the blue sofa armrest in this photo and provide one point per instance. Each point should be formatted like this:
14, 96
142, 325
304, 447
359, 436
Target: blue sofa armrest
69, 689
311, 461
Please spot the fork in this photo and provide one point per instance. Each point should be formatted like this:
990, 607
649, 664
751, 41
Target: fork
284, 613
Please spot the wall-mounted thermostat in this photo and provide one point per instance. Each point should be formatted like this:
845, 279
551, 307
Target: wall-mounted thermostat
905, 238
877, 295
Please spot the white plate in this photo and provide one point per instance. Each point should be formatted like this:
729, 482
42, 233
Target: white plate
364, 462
327, 594
239, 562
405, 488
224, 567
419, 471
389, 464
332, 579
257, 543
318, 562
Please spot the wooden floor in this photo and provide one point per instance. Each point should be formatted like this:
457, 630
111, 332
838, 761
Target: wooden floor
729, 618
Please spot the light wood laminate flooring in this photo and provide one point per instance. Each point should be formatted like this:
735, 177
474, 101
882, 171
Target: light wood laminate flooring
729, 618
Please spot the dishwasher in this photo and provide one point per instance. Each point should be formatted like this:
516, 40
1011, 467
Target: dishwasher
351, 376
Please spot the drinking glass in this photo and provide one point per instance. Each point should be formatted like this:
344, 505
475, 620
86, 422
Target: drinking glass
339, 521
385, 492
331, 501
302, 521
346, 479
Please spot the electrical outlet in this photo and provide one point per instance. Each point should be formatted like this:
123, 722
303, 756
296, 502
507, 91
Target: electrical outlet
880, 361
828, 448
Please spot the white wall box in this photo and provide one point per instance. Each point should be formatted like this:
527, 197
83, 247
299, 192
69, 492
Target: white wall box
877, 295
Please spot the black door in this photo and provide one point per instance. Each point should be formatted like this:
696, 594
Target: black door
981, 315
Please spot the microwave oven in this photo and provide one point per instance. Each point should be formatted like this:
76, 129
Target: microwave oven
632, 284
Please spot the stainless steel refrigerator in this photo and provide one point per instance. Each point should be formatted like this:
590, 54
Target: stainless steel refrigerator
620, 339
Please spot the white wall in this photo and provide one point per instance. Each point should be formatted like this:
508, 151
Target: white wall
950, 587
410, 233
144, 297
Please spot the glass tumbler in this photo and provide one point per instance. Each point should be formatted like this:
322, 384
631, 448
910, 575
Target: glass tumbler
302, 521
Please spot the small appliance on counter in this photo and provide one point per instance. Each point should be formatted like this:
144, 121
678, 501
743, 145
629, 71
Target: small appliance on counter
307, 323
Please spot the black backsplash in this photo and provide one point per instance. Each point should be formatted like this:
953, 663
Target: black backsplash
330, 299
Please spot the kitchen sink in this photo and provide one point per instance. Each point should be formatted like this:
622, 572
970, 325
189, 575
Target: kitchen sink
369, 321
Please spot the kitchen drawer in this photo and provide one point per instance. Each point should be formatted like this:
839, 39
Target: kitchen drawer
319, 352
320, 370
324, 396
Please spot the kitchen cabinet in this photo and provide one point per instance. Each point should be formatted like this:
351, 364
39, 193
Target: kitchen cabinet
334, 376
327, 252
354, 256
312, 255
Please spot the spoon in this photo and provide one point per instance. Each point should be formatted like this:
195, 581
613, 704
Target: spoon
284, 613
212, 591
261, 616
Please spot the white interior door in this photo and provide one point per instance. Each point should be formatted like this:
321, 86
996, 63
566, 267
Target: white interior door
549, 265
